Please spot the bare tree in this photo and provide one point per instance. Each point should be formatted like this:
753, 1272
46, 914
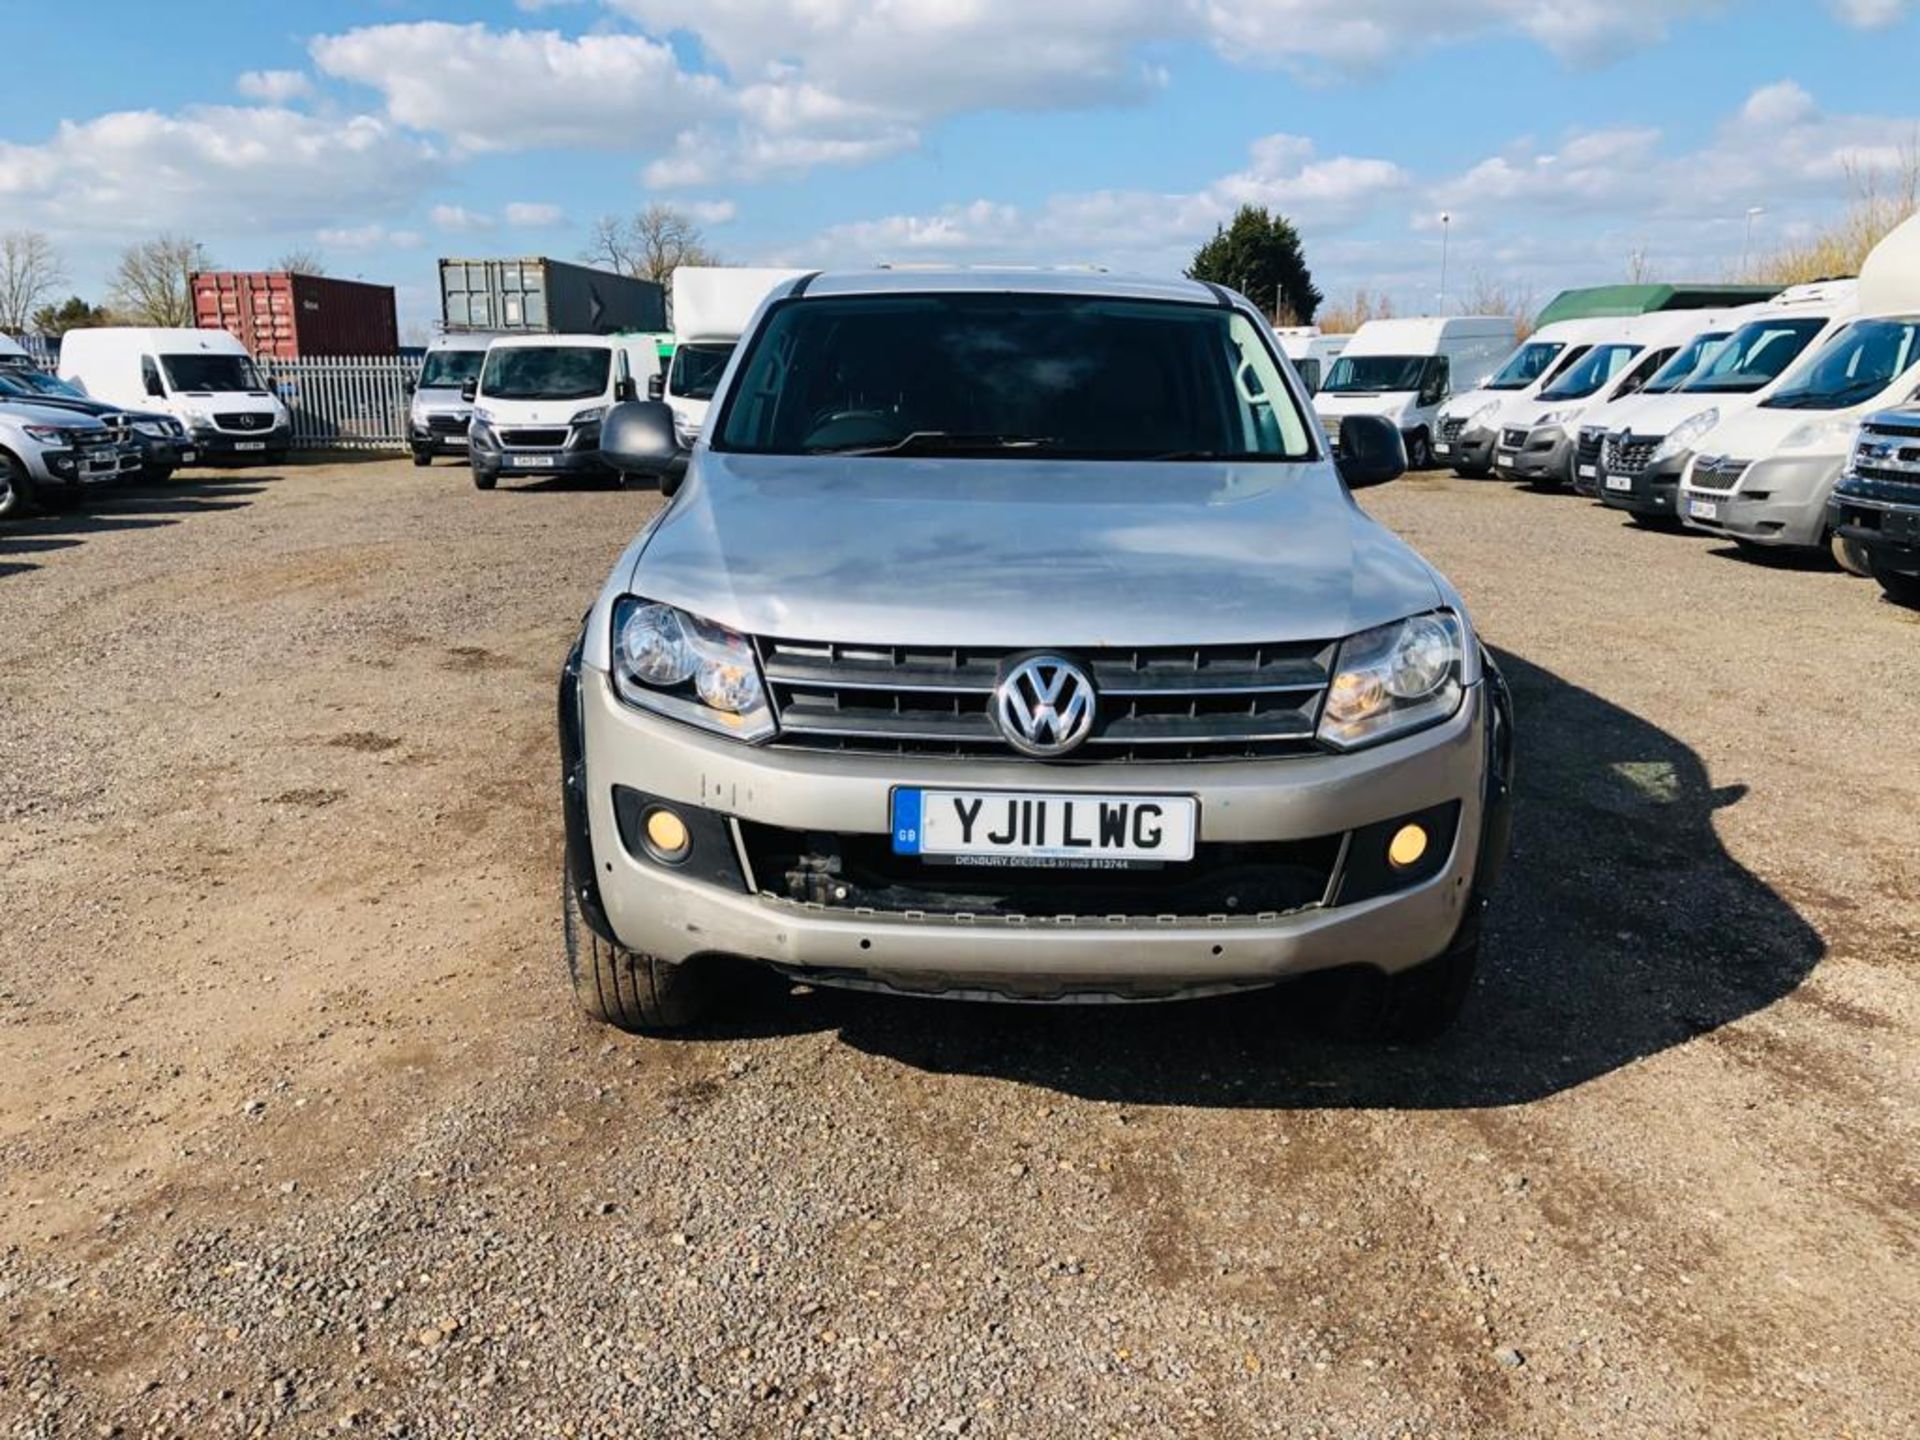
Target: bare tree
152, 283
1637, 267
301, 261
30, 276
651, 244
1882, 198
1488, 296
1343, 317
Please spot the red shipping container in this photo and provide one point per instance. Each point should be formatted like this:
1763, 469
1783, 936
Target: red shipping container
276, 313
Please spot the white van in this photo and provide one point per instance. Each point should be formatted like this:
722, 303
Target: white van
437, 413
1466, 429
1640, 462
13, 356
539, 399
1762, 477
1405, 370
711, 307
1536, 434
1310, 351
203, 378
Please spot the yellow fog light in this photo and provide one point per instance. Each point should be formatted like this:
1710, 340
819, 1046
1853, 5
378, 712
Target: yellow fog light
1409, 843
667, 835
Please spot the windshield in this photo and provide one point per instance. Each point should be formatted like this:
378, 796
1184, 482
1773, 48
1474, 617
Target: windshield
697, 370
1687, 360
215, 374
1856, 365
1755, 356
546, 372
42, 383
1370, 374
1590, 372
1018, 375
450, 369
1525, 365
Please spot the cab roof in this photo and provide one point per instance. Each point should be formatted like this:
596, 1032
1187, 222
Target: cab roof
1009, 279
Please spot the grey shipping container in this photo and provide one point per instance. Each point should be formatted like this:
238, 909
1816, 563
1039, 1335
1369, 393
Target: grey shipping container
546, 296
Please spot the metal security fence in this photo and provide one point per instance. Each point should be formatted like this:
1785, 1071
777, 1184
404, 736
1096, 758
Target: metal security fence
348, 402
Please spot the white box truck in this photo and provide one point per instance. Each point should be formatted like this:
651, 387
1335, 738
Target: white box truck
1406, 369
711, 307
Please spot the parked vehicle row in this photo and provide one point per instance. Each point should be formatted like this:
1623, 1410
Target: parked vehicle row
1744, 423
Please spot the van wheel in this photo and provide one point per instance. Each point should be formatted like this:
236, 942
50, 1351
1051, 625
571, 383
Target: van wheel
1419, 451
484, 481
1902, 589
16, 491
634, 992
1410, 1008
1849, 555
422, 459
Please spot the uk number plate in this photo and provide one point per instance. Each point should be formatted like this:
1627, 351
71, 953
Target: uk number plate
249, 444
187, 457
1704, 509
1619, 482
1586, 472
1441, 447
531, 462
999, 827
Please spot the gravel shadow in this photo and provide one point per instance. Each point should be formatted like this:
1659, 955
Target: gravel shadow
1621, 928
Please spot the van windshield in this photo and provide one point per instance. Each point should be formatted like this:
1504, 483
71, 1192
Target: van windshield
1688, 359
1755, 356
546, 372
1525, 365
697, 370
1853, 367
211, 374
450, 369
1011, 375
1372, 374
1587, 374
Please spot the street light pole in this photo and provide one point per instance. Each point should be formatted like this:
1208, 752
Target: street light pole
1746, 245
1446, 224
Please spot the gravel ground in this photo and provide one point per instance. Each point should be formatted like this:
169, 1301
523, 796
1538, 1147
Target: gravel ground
300, 1132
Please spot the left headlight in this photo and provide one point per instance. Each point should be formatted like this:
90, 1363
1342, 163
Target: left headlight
1395, 678
1555, 417
1836, 433
152, 429
679, 665
590, 415
1684, 436
1484, 414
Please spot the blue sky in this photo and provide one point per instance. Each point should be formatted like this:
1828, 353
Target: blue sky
1562, 136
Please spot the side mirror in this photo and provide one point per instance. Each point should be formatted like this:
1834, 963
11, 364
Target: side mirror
408, 387
636, 438
155, 388
656, 386
623, 389
469, 390
1371, 451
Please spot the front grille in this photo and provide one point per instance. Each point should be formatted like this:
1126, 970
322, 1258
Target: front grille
1512, 438
1908, 479
1628, 454
861, 873
534, 439
1586, 450
1212, 702
1718, 473
244, 421
447, 424
1451, 427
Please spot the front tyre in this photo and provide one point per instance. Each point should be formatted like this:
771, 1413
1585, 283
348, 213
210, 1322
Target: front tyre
1850, 555
484, 479
422, 459
16, 491
1901, 588
1419, 451
634, 992
1410, 1008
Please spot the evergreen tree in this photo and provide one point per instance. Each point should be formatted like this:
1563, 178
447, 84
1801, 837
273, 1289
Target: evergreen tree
1259, 255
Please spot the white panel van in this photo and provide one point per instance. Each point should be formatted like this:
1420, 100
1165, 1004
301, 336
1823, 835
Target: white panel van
203, 378
1405, 370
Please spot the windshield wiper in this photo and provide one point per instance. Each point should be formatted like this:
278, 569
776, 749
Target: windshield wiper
938, 442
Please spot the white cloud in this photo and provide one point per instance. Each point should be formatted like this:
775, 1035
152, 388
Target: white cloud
1129, 229
1871, 14
212, 167
458, 219
519, 89
275, 87
369, 237
533, 215
711, 212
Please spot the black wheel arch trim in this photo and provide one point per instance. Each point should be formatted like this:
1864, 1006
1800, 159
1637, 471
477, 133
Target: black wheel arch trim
582, 877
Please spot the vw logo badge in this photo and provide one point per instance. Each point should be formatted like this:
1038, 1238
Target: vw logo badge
1044, 706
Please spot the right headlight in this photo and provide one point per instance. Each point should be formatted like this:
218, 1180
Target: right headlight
1395, 678
679, 665
1684, 436
1484, 413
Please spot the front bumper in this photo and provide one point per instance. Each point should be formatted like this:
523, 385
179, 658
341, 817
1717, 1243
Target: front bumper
429, 440
559, 461
1652, 491
1546, 458
68, 469
209, 440
665, 912
1777, 501
1881, 519
1471, 451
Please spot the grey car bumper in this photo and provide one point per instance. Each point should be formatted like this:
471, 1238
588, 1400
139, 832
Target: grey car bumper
1777, 502
678, 913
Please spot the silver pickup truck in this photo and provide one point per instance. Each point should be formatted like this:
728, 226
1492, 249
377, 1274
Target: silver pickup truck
1014, 635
